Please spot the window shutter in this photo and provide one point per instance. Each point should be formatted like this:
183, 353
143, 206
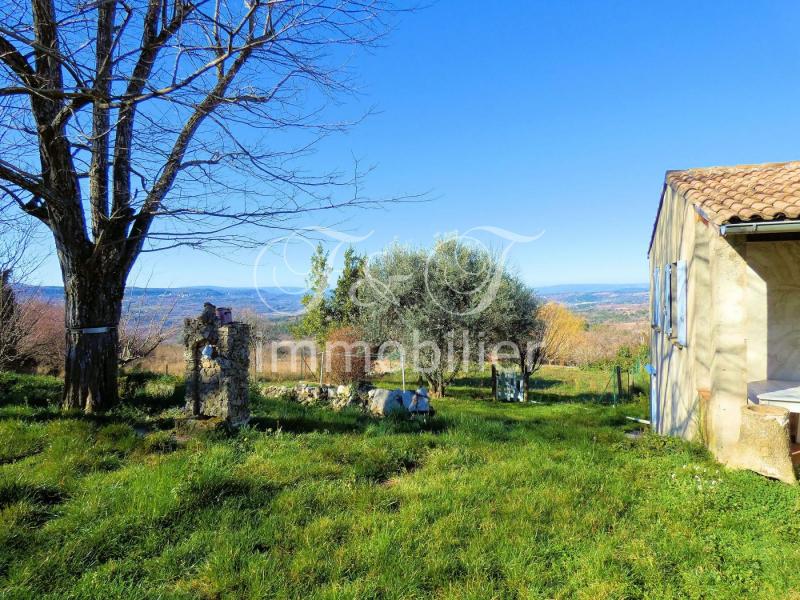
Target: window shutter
682, 301
654, 293
668, 299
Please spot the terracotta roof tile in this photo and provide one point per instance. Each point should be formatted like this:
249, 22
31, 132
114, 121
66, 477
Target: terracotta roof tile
744, 193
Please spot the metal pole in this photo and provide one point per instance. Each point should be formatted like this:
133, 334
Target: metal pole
259, 352
403, 368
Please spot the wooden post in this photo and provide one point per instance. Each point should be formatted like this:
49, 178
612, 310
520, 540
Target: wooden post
494, 382
619, 382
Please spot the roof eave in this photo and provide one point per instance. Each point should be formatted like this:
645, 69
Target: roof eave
760, 227
703, 215
658, 215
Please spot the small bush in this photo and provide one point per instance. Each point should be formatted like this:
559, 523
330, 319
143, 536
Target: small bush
348, 356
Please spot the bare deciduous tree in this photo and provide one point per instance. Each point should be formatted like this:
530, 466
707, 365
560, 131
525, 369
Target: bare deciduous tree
138, 125
263, 332
144, 326
18, 315
44, 344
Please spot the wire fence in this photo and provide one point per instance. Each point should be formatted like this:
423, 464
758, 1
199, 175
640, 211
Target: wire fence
622, 384
307, 363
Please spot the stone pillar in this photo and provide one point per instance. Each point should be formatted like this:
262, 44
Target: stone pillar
217, 362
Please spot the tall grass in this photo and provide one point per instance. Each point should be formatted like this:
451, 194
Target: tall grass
485, 500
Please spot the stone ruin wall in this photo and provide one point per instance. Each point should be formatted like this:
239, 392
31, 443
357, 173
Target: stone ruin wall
217, 385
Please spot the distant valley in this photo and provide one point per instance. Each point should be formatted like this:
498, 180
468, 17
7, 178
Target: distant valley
603, 303
597, 303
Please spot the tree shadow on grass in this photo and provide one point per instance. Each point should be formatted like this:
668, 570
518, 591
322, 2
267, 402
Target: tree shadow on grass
119, 416
140, 423
151, 393
544, 384
305, 424
604, 398
143, 397
29, 390
567, 429
44, 494
541, 391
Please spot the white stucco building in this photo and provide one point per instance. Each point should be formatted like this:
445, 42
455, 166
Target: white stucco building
725, 299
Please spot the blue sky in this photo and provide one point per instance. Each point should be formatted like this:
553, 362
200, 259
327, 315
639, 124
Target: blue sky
547, 117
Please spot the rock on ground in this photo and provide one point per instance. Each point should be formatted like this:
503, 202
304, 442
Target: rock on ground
386, 402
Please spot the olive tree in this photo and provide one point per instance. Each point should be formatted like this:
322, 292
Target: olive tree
518, 329
436, 305
130, 126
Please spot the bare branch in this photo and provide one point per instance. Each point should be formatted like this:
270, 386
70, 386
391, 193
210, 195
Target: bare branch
131, 127
140, 330
11, 57
98, 186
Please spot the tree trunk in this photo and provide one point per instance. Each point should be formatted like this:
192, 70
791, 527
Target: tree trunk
431, 387
436, 385
93, 308
526, 378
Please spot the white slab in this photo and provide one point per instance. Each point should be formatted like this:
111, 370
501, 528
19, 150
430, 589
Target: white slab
774, 391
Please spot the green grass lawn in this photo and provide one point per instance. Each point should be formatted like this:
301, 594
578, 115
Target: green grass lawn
485, 500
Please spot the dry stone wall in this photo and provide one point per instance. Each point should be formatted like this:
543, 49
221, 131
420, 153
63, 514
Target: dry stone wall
377, 402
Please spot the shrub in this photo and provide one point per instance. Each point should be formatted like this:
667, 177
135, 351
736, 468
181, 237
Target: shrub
348, 356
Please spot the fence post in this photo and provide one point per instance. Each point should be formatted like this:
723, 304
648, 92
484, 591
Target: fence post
619, 383
494, 382
321, 367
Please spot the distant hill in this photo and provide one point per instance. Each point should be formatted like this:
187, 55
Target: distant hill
601, 303
576, 295
278, 303
598, 302
593, 288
